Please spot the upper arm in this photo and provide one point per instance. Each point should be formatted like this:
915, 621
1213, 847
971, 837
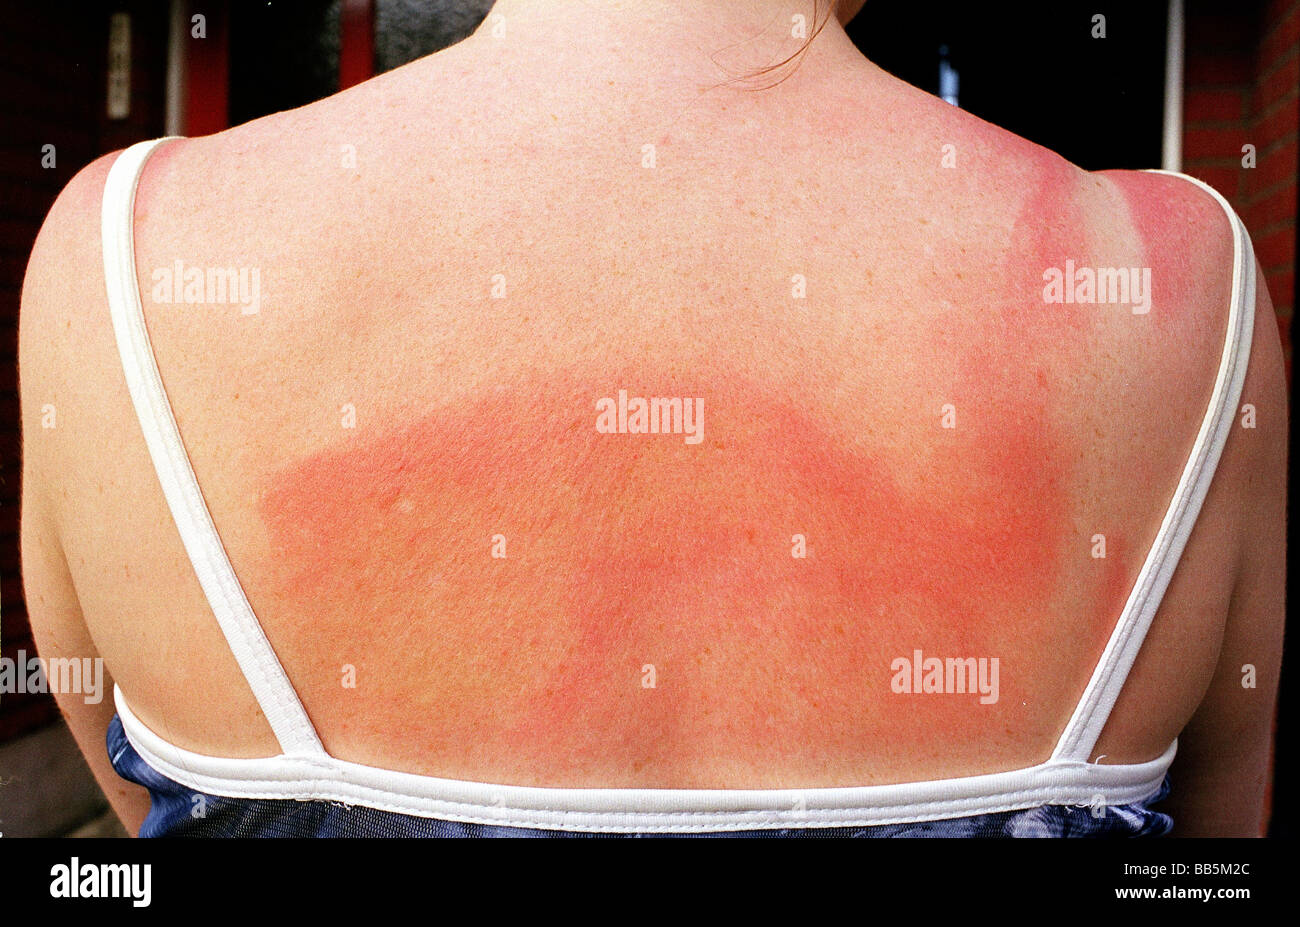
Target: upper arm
63, 280
60, 634
1222, 772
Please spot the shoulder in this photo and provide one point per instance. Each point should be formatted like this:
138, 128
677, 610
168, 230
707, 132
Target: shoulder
61, 297
1187, 238
1179, 237
67, 359
68, 242
1180, 228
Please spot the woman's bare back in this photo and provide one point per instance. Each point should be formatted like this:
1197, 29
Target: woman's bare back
897, 446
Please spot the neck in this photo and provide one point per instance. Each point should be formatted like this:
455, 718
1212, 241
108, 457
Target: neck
724, 39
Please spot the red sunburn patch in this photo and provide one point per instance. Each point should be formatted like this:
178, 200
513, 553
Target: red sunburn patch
639, 559
1170, 217
1049, 231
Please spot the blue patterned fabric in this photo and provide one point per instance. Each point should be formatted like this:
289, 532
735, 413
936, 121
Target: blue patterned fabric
178, 811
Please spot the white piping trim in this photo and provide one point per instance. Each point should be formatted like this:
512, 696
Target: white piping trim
324, 778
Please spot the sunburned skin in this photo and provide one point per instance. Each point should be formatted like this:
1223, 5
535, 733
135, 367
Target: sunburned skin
1167, 214
1051, 229
649, 606
648, 624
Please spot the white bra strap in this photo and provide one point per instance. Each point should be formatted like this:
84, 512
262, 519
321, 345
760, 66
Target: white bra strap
265, 675
1093, 710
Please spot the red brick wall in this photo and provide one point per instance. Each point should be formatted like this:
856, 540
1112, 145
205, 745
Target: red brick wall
1243, 88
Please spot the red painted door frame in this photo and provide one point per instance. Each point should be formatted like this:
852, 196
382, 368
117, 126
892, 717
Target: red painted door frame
207, 72
207, 62
356, 42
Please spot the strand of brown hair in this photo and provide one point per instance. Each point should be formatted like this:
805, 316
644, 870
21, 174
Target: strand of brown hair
791, 62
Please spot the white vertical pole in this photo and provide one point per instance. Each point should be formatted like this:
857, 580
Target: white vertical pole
1171, 149
177, 42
